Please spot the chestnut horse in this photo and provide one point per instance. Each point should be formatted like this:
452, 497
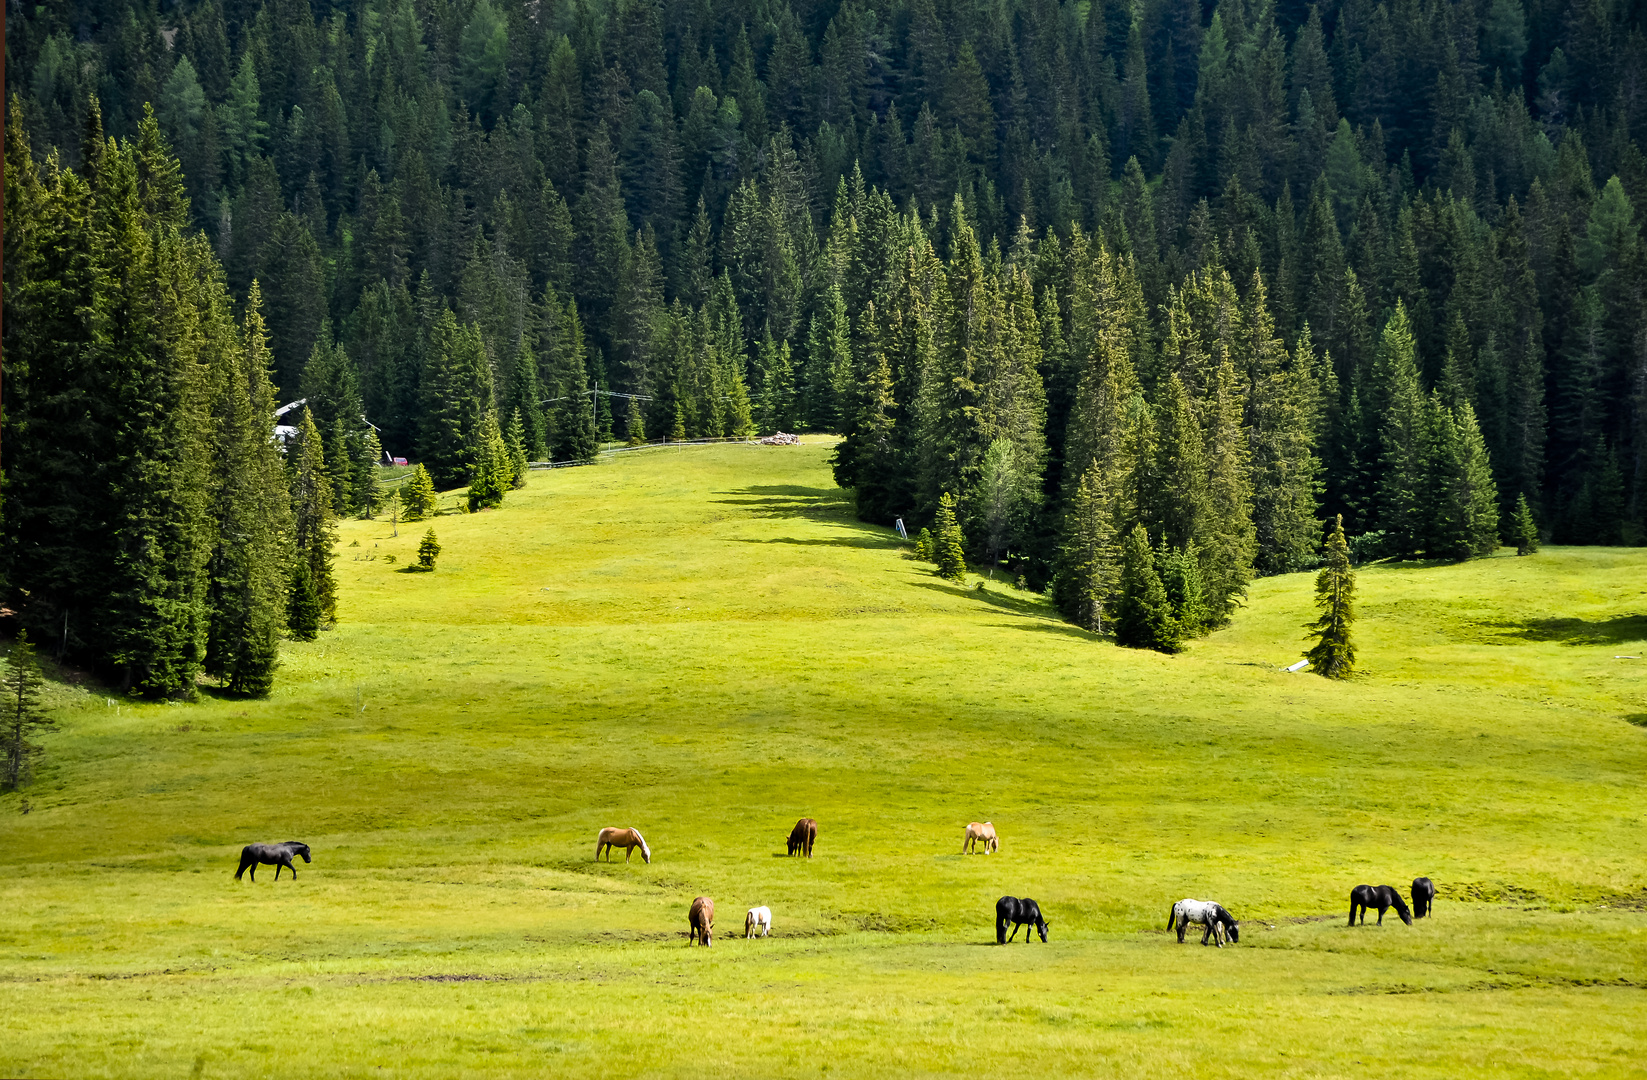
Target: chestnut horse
701, 919
985, 832
802, 836
630, 839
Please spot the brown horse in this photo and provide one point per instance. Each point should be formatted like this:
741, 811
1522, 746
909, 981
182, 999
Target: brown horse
629, 839
980, 831
802, 836
702, 921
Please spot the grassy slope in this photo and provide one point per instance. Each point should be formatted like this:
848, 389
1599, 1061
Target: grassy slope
704, 644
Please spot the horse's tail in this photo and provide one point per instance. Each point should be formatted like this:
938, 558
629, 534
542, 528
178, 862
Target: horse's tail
245, 861
1172, 917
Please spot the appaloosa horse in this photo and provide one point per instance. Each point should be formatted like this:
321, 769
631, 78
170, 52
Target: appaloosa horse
629, 839
977, 832
1423, 896
802, 836
1219, 923
1025, 912
276, 855
1382, 897
701, 919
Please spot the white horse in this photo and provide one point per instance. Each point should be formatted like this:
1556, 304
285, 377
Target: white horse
759, 918
1220, 923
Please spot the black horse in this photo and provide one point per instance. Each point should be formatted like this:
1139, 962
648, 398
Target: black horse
276, 855
1025, 912
1382, 897
1423, 896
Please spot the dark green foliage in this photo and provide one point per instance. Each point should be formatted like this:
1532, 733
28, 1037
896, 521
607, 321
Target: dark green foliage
304, 614
418, 497
494, 472
428, 550
514, 440
1333, 654
313, 521
948, 546
1523, 529
21, 715
1141, 615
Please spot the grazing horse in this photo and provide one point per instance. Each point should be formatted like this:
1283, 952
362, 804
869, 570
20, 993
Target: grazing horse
1025, 912
702, 921
1423, 896
1382, 897
759, 918
980, 831
802, 836
629, 839
276, 855
1219, 923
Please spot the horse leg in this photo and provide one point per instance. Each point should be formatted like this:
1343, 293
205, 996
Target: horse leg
278, 865
1183, 925
1382, 908
1352, 912
628, 852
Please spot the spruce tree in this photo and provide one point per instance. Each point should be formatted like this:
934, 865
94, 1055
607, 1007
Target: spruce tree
428, 550
515, 441
494, 472
947, 543
634, 426
1523, 529
418, 498
21, 715
1085, 578
367, 459
303, 610
312, 519
1333, 655
1141, 615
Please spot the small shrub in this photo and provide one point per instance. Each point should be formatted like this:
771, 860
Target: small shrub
923, 545
428, 550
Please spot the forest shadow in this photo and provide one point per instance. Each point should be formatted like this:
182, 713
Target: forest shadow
1620, 630
857, 542
1639, 719
1029, 609
791, 500
1061, 629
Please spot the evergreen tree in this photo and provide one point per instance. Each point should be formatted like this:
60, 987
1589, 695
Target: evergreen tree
1333, 654
457, 396
367, 460
1142, 617
515, 441
1523, 529
21, 715
313, 531
948, 546
304, 615
494, 472
634, 426
428, 550
418, 498
1086, 566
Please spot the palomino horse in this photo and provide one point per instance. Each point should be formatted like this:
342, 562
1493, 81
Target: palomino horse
276, 855
1423, 896
1220, 924
802, 836
623, 838
759, 918
1382, 897
975, 832
701, 919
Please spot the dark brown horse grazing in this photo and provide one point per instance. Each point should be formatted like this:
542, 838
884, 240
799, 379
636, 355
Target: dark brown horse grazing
276, 855
1382, 897
802, 836
1423, 896
701, 919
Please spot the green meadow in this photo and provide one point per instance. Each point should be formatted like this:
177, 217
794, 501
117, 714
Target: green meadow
703, 643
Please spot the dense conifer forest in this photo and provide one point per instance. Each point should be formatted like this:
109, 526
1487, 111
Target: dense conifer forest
1150, 290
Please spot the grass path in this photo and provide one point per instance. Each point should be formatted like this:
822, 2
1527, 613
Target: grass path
703, 643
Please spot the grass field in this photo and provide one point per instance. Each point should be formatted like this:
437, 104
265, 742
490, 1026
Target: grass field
704, 644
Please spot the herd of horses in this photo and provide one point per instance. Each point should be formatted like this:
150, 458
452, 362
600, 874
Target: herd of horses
1218, 924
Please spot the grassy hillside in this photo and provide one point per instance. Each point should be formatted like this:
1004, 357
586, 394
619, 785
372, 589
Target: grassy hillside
704, 644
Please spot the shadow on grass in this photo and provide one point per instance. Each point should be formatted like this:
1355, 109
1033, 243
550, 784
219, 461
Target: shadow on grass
1035, 609
1639, 719
790, 500
1061, 629
1616, 631
876, 542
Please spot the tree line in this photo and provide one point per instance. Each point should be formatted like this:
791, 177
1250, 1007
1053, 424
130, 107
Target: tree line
1215, 271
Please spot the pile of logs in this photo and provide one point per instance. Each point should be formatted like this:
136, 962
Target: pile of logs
780, 439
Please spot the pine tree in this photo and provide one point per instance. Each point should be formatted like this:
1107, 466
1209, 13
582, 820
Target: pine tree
314, 533
1085, 580
948, 545
367, 460
1523, 529
418, 497
304, 614
1142, 617
515, 441
21, 715
634, 426
1001, 498
1333, 655
1180, 570
494, 472
925, 546
428, 550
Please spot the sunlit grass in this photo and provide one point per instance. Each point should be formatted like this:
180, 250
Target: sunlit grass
704, 644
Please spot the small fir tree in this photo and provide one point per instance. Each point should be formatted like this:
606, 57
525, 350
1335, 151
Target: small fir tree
428, 550
1180, 570
634, 424
948, 546
391, 507
515, 441
367, 500
303, 611
417, 495
493, 473
924, 545
1333, 655
313, 516
21, 716
1142, 615
1086, 570
1523, 529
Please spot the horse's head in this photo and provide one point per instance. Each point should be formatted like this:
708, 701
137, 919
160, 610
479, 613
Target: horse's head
1234, 931
299, 849
1401, 910
1042, 927
646, 852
